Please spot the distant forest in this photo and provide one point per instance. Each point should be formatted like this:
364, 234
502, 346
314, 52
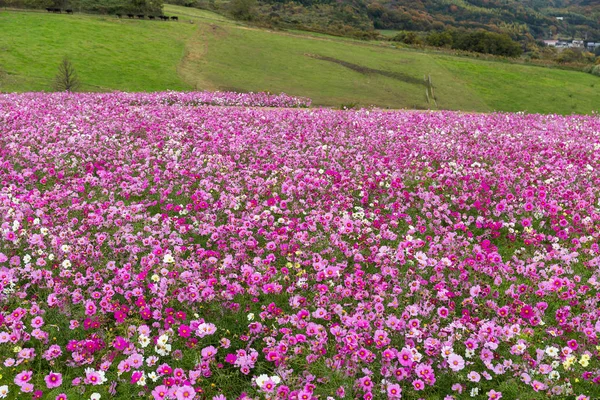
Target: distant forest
536, 19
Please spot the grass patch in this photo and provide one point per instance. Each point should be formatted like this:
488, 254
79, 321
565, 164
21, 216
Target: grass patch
107, 53
254, 60
514, 87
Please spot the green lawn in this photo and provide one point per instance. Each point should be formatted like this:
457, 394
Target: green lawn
515, 87
207, 51
237, 58
388, 32
107, 53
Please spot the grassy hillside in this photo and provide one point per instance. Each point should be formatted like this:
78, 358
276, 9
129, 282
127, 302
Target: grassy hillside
513, 87
216, 54
108, 53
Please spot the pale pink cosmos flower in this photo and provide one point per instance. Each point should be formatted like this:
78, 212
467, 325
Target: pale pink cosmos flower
185, 393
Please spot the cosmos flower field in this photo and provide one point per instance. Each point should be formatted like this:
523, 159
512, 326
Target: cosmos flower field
157, 246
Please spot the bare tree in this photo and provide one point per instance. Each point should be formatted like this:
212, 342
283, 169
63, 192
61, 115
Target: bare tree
66, 79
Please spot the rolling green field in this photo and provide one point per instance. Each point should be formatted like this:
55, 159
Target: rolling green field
107, 53
206, 51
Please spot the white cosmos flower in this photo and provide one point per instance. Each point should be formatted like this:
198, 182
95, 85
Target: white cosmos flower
162, 340
552, 351
261, 379
144, 340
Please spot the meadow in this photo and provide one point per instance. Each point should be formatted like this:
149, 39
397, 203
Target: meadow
193, 246
205, 51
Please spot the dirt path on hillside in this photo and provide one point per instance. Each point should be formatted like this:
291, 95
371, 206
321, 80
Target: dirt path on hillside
190, 66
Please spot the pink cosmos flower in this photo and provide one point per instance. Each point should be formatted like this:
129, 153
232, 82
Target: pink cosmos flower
136, 376
10, 236
185, 393
90, 308
405, 357
538, 386
184, 331
208, 352
120, 316
178, 373
23, 377
160, 392
493, 395
456, 362
230, 358
164, 369
37, 322
120, 343
394, 391
53, 380
474, 376
304, 395
268, 386
136, 360
527, 312
365, 383
92, 377
27, 388
418, 384
457, 387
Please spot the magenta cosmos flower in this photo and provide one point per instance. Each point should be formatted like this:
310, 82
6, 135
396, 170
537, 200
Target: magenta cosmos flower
527, 312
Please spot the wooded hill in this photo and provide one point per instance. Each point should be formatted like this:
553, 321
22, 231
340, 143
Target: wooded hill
539, 19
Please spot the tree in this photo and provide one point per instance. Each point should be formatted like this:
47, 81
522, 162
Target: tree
66, 79
439, 39
570, 56
242, 9
408, 38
